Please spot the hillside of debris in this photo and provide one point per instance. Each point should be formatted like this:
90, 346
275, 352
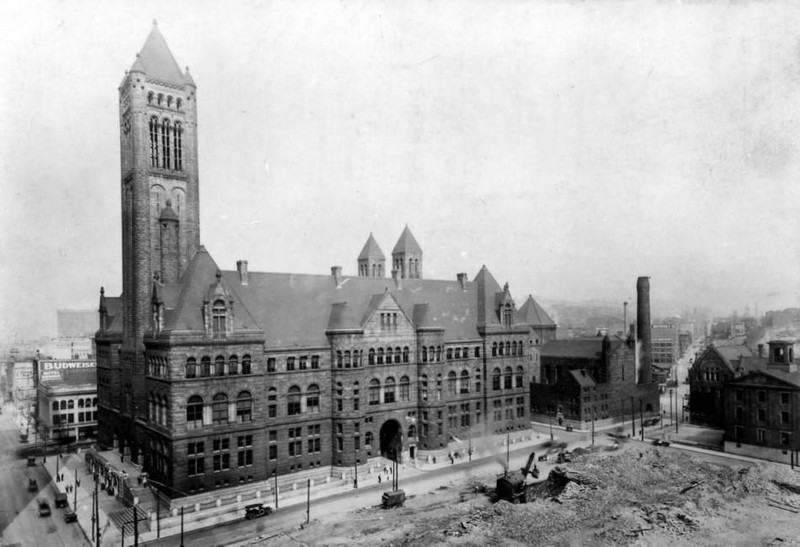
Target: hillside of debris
629, 494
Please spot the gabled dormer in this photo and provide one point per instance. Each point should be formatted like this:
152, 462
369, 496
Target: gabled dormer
384, 314
218, 310
506, 308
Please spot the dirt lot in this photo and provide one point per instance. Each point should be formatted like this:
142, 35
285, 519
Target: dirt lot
628, 495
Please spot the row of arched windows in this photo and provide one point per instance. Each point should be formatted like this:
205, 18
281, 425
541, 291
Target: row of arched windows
158, 408
354, 359
166, 144
219, 367
221, 411
507, 379
164, 100
507, 348
392, 392
295, 400
70, 404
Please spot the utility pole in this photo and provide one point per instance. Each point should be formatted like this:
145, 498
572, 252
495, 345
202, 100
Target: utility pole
181, 525
158, 514
275, 474
670, 406
633, 419
550, 418
641, 416
75, 497
593, 423
308, 501
96, 510
508, 449
355, 464
135, 527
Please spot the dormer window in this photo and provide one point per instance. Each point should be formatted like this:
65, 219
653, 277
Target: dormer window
218, 316
508, 315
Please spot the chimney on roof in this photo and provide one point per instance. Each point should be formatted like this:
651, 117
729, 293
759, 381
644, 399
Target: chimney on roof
462, 280
241, 267
336, 272
624, 314
643, 333
397, 279
761, 350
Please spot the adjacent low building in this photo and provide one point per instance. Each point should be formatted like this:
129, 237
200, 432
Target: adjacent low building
762, 408
67, 395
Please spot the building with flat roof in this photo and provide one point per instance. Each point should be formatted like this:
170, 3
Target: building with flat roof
67, 394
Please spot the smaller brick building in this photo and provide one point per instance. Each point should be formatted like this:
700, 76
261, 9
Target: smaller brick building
762, 408
707, 377
590, 378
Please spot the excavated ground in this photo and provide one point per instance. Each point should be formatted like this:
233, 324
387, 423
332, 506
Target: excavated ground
629, 495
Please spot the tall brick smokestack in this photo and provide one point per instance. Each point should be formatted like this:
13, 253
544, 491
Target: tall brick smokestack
643, 338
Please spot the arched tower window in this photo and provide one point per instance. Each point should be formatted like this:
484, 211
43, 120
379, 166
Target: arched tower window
178, 144
166, 128
293, 401
508, 315
244, 407
154, 159
312, 399
219, 409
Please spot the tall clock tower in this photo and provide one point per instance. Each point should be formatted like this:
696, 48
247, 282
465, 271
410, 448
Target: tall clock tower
160, 201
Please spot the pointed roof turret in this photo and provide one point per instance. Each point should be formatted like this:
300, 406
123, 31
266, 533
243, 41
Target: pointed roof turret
156, 60
187, 78
407, 243
371, 249
533, 314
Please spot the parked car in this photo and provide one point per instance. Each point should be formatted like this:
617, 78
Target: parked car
32, 486
70, 516
256, 510
44, 509
61, 500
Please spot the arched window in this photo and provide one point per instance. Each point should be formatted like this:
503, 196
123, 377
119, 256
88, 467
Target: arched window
63, 405
501, 349
496, 379
449, 353
458, 353
368, 439
178, 144
424, 354
438, 353
94, 401
423, 387
339, 359
374, 392
244, 407
160, 98
507, 384
519, 348
166, 130
371, 356
347, 361
405, 394
178, 103
80, 403
513, 348
293, 401
312, 399
219, 366
464, 382
398, 354
70, 404
246, 365
233, 365
169, 101
191, 367
380, 356
389, 356
161, 406
194, 412
219, 409
412, 432
451, 383
205, 366
150, 96
520, 374
508, 348
508, 315
494, 349
218, 318
388, 390
405, 354
55, 406
154, 148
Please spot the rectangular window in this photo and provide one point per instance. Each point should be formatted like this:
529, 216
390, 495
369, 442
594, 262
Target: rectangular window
290, 363
303, 362
245, 458
784, 398
739, 396
785, 417
761, 436
271, 364
273, 452
314, 362
762, 396
762, 414
195, 466
739, 413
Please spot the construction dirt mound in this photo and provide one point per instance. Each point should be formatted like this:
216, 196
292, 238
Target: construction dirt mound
633, 494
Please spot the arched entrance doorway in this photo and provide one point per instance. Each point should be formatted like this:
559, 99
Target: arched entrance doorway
391, 440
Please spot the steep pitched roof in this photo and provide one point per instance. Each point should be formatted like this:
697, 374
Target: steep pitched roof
582, 377
407, 243
487, 293
156, 60
533, 314
371, 249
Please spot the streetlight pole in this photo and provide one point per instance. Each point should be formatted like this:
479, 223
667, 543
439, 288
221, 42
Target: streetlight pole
550, 420
308, 501
671, 419
275, 474
355, 464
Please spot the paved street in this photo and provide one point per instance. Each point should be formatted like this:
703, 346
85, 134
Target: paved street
20, 523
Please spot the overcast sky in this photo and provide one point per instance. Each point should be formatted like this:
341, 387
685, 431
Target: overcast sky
570, 147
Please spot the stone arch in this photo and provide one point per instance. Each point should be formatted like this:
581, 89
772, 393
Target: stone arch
391, 440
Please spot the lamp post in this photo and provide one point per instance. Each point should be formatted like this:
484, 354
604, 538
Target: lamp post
275, 474
355, 464
550, 421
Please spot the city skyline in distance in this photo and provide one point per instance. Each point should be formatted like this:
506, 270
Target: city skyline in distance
570, 148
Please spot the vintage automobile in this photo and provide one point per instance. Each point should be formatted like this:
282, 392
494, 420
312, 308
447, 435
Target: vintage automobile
70, 516
61, 500
44, 509
256, 510
395, 498
32, 486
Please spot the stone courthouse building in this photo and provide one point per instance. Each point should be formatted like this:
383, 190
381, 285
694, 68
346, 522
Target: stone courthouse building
212, 378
